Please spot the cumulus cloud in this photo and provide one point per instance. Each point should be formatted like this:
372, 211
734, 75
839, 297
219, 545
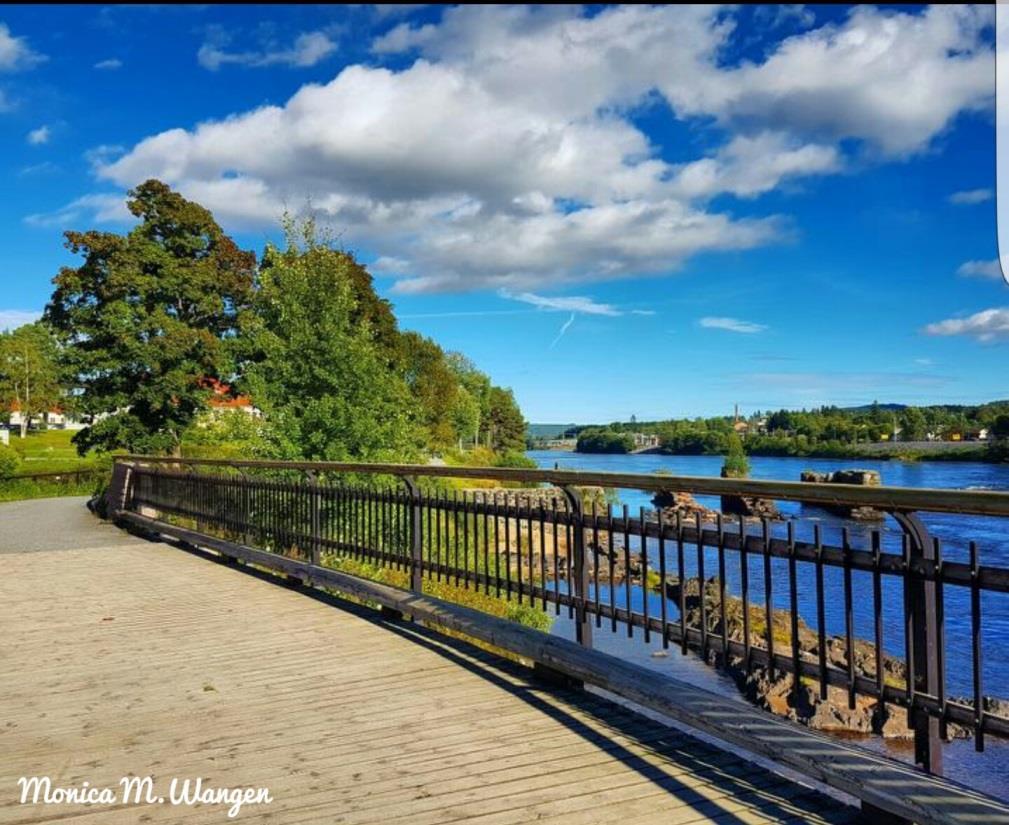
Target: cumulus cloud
752, 165
731, 325
36, 137
15, 53
505, 155
892, 79
981, 269
969, 197
111, 64
986, 326
308, 49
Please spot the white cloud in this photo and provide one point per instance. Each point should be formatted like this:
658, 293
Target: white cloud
36, 137
308, 49
732, 325
981, 269
505, 155
750, 166
45, 167
102, 154
987, 326
892, 79
105, 208
111, 64
15, 53
14, 318
968, 197
571, 304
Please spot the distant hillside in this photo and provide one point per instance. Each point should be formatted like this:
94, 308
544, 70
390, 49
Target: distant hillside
864, 408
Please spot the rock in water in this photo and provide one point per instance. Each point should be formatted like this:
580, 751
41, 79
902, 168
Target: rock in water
861, 478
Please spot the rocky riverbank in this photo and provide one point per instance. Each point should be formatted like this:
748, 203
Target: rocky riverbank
832, 713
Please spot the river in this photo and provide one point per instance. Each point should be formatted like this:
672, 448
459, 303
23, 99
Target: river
988, 771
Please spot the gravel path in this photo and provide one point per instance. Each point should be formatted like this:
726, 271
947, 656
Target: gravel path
47, 524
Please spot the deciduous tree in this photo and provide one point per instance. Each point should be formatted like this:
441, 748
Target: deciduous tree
150, 318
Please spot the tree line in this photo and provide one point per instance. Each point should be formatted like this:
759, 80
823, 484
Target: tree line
153, 323
826, 431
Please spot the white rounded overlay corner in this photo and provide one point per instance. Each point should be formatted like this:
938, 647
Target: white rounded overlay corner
1002, 133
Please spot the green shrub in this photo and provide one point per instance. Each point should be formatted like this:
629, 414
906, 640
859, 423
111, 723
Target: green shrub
736, 465
515, 460
9, 461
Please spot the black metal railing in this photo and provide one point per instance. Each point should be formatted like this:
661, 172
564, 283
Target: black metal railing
667, 579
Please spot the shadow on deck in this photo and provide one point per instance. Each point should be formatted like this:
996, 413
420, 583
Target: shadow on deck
123, 657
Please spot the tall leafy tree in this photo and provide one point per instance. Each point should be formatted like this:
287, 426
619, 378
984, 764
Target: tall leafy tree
149, 320
30, 376
505, 425
316, 368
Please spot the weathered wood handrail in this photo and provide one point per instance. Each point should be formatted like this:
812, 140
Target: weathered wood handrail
883, 784
889, 499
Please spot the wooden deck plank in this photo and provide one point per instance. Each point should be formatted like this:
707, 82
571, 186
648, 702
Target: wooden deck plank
128, 657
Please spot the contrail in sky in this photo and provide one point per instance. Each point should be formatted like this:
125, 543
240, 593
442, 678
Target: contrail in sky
565, 328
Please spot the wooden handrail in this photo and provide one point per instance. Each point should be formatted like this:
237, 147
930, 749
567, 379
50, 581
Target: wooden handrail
888, 499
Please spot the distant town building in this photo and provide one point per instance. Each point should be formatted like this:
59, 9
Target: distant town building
55, 419
645, 440
223, 400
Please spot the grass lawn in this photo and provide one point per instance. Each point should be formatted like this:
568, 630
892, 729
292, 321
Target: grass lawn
49, 451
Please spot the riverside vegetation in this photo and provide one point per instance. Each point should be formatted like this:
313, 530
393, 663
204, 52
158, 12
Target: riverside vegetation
874, 431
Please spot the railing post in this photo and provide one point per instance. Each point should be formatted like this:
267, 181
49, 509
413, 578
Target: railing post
119, 491
416, 537
579, 567
924, 641
315, 519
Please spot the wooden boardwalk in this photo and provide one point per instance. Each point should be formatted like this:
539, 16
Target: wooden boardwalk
121, 657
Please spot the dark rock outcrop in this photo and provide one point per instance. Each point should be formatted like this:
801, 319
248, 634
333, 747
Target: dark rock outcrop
862, 478
777, 694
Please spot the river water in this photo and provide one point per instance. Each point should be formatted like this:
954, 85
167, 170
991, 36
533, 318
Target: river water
988, 771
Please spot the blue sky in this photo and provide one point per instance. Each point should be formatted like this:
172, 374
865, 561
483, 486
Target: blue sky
656, 211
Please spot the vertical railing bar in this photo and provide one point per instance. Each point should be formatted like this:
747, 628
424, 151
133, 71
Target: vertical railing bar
940, 639
744, 572
681, 570
595, 563
877, 606
662, 580
508, 548
557, 571
699, 526
768, 594
627, 571
519, 579
976, 661
821, 621
465, 540
793, 595
485, 522
644, 573
531, 543
909, 630
543, 553
610, 557
849, 618
722, 617
497, 548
